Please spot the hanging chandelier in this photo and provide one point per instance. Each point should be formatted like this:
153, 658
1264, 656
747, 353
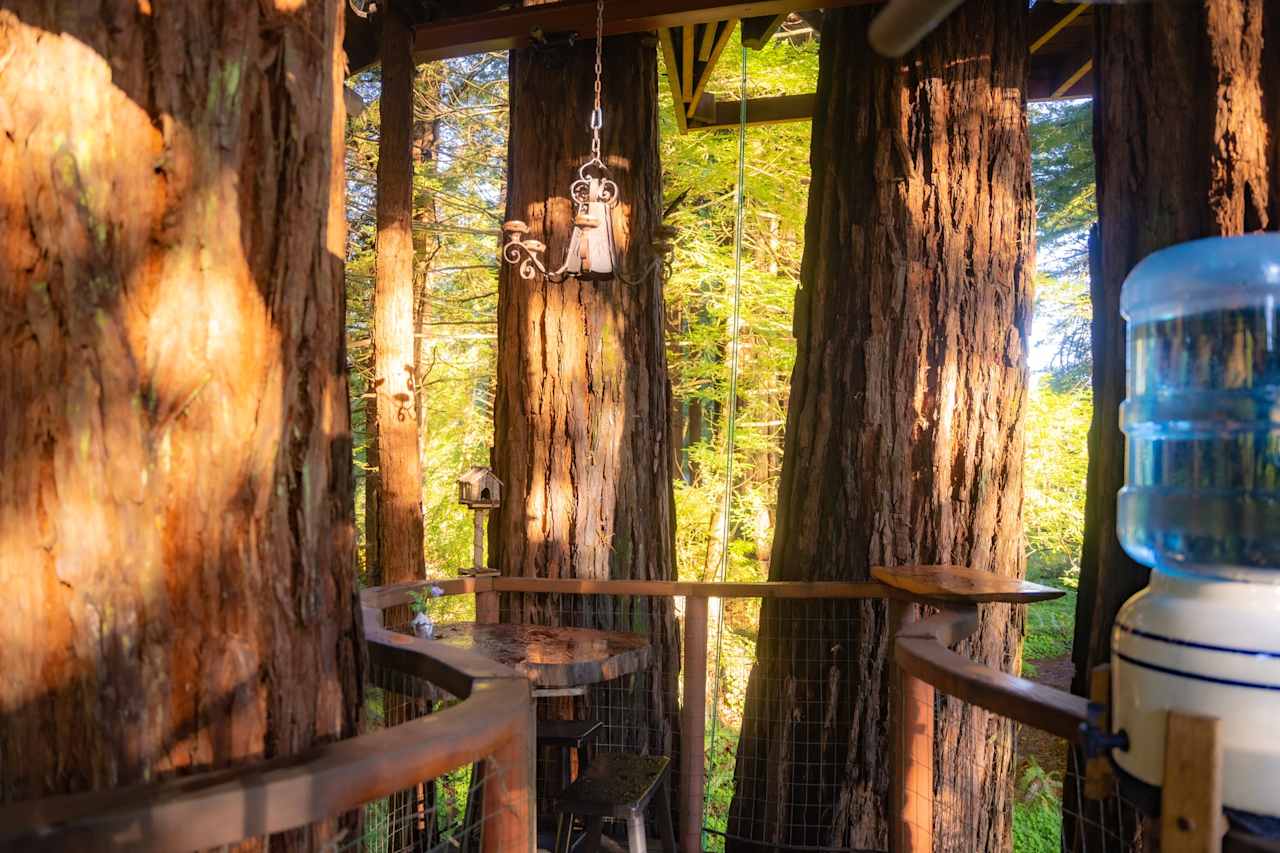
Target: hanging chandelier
592, 255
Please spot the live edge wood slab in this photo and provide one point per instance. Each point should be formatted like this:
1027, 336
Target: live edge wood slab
552, 657
959, 584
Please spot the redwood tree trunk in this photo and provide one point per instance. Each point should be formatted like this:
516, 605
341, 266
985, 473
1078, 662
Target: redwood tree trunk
1186, 129
582, 434
1211, 172
399, 517
904, 435
175, 457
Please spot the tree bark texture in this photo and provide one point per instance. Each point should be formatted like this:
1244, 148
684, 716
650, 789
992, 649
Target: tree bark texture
582, 416
175, 450
399, 517
904, 436
1187, 144
1185, 138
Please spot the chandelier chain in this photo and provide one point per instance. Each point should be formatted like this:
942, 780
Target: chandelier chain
597, 115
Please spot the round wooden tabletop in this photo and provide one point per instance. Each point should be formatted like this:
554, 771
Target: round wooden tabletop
552, 657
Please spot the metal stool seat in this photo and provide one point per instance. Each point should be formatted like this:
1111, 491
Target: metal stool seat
617, 785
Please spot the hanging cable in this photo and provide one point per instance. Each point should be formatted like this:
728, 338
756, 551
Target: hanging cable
731, 431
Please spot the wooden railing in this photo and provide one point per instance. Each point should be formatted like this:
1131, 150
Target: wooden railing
494, 721
922, 654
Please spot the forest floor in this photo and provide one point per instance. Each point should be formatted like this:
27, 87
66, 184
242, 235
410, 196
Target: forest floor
1048, 751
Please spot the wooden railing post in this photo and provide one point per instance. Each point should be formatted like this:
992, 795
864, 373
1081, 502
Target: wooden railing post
693, 723
509, 794
911, 730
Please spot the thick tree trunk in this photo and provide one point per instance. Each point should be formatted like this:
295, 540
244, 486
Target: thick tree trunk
904, 432
583, 403
400, 554
1211, 172
175, 457
1185, 138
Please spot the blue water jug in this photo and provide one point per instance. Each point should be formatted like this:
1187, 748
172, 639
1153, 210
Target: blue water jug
1202, 417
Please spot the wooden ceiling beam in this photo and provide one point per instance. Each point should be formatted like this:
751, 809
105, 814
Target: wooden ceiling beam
709, 67
667, 44
448, 37
756, 32
724, 115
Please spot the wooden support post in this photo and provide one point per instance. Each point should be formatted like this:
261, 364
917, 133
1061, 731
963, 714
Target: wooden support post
486, 601
911, 730
1191, 819
693, 724
509, 794
1099, 782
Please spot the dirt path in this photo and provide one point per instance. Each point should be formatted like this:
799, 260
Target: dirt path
1050, 752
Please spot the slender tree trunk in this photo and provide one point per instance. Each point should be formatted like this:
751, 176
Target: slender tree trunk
399, 519
372, 565
904, 435
1185, 136
175, 459
583, 403
426, 132
692, 435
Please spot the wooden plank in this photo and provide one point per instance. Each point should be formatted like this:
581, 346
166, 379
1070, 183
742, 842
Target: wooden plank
1191, 819
510, 808
668, 589
726, 33
708, 40
758, 30
509, 28
962, 584
693, 724
1074, 78
666, 42
686, 64
1046, 20
771, 110
911, 747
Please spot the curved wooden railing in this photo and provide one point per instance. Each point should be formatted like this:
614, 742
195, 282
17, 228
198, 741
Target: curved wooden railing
923, 656
923, 651
494, 719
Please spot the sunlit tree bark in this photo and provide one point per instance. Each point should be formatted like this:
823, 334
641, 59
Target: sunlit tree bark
175, 450
399, 482
582, 435
904, 430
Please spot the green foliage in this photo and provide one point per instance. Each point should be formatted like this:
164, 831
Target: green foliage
459, 173
1063, 171
1037, 812
701, 176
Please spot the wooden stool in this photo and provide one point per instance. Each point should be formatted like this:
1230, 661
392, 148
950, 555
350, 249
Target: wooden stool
580, 736
617, 785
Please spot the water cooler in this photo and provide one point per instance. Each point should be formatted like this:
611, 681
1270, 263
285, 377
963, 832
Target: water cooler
1201, 507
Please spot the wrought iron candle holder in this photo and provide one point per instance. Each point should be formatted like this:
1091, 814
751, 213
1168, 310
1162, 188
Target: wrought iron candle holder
592, 255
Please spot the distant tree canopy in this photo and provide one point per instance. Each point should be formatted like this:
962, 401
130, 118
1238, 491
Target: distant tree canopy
1062, 166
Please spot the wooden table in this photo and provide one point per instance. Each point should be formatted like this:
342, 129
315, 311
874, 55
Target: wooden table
559, 661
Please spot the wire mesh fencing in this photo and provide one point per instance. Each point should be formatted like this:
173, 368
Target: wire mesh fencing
450, 812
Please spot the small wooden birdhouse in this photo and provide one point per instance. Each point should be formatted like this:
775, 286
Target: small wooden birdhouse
480, 488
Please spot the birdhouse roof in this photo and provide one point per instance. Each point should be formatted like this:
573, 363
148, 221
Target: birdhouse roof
480, 475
